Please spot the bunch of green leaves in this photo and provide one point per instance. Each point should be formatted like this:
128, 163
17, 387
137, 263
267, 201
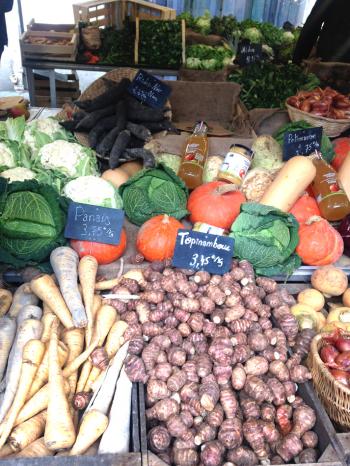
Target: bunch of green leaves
190, 21
202, 23
118, 45
248, 23
160, 44
224, 26
32, 220
13, 152
265, 85
327, 149
154, 191
273, 36
207, 57
267, 238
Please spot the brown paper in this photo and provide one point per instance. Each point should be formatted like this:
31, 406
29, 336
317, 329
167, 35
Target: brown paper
173, 144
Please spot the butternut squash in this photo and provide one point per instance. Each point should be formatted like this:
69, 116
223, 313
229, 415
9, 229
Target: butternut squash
290, 182
344, 176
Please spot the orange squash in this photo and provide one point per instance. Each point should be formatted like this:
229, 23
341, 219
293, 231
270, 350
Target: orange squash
304, 208
216, 203
103, 253
342, 150
157, 237
319, 242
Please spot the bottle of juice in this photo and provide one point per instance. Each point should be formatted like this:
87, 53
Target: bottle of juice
332, 200
195, 156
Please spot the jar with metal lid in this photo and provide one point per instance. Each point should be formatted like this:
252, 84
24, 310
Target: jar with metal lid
236, 164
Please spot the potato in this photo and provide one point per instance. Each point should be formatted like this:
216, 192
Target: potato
346, 297
117, 177
329, 280
312, 298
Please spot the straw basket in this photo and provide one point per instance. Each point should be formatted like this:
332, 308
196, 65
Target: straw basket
334, 395
331, 127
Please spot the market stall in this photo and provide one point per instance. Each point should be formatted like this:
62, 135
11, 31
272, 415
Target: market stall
175, 256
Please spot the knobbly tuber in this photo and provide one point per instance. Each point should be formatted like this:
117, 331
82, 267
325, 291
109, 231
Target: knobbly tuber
289, 447
309, 455
219, 373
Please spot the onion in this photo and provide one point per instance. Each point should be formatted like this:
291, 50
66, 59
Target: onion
340, 376
342, 344
328, 354
343, 361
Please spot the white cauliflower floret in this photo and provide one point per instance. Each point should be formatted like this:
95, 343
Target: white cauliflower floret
48, 126
6, 156
18, 174
62, 156
93, 190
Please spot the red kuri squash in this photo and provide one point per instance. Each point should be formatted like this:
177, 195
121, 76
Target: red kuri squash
216, 203
319, 242
342, 150
103, 253
305, 207
157, 237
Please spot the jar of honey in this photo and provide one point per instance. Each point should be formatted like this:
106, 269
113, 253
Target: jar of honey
236, 164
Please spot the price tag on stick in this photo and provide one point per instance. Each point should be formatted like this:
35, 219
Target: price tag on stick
302, 142
200, 251
94, 223
149, 90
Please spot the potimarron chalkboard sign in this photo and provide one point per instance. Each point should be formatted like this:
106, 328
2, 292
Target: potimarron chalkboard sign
302, 142
94, 223
200, 251
149, 90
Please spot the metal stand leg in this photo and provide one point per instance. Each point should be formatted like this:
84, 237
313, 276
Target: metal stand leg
53, 89
30, 81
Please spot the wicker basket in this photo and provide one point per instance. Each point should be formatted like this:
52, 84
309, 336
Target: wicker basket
334, 395
331, 127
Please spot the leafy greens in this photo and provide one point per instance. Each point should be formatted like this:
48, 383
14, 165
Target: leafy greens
154, 191
32, 219
266, 237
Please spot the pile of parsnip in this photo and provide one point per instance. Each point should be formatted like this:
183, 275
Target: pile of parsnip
62, 350
221, 386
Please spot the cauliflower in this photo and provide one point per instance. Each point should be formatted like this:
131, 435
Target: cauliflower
93, 190
68, 159
40, 132
193, 63
170, 160
254, 35
211, 168
7, 158
18, 174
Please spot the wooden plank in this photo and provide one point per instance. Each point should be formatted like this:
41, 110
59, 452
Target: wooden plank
71, 94
183, 37
137, 39
129, 459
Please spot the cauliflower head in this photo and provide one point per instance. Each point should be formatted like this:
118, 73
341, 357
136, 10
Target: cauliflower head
93, 190
18, 174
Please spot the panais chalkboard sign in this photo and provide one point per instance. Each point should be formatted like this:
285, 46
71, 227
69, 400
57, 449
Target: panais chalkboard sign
302, 142
149, 90
200, 251
248, 53
94, 223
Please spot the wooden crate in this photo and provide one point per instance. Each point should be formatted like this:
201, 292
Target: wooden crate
114, 12
67, 89
66, 52
33, 26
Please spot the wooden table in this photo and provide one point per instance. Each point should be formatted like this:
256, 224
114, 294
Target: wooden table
51, 66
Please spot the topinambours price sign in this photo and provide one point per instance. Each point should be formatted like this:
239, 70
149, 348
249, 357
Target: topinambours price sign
200, 251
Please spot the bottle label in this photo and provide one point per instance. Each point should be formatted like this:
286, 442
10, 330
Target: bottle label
333, 187
206, 228
193, 154
235, 165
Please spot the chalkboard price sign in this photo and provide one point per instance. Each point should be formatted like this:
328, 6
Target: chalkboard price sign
149, 90
200, 251
302, 142
94, 223
248, 53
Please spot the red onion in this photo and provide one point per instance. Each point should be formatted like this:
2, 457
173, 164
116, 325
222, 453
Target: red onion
340, 376
342, 344
328, 354
343, 361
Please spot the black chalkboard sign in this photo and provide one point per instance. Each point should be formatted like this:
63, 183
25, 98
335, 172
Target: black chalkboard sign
248, 53
94, 223
302, 142
200, 251
149, 90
